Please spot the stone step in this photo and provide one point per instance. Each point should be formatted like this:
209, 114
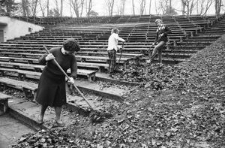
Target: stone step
12, 130
195, 44
202, 36
4, 100
28, 112
187, 47
179, 51
30, 88
200, 40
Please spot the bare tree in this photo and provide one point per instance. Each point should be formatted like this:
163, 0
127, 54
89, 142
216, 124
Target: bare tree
163, 5
150, 5
89, 7
77, 6
191, 7
61, 13
122, 7
29, 7
25, 7
142, 6
56, 9
156, 10
82, 7
188, 6
197, 6
110, 6
8, 6
133, 6
205, 5
218, 4
34, 7
183, 3
42, 7
48, 11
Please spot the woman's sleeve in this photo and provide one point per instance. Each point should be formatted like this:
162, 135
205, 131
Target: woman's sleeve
167, 30
42, 60
73, 67
119, 38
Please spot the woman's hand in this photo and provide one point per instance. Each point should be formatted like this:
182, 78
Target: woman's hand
71, 80
49, 57
161, 35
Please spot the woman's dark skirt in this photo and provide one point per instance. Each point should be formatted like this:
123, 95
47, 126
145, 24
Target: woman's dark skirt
51, 89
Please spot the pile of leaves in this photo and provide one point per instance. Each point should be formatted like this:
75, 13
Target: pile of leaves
175, 106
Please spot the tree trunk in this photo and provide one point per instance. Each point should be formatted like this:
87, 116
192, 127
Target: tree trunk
61, 13
35, 8
24, 7
217, 7
74, 4
142, 7
122, 8
133, 7
197, 6
42, 9
82, 8
47, 8
150, 4
89, 8
183, 6
188, 8
208, 5
112, 6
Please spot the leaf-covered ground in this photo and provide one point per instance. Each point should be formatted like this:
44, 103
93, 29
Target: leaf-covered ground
178, 106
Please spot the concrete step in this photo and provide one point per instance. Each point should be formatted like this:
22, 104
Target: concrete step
174, 55
11, 130
194, 44
187, 47
202, 36
179, 51
28, 112
200, 40
88, 87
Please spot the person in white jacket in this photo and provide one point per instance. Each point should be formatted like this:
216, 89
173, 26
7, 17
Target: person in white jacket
112, 49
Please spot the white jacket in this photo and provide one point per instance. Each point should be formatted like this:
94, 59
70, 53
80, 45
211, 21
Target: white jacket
113, 41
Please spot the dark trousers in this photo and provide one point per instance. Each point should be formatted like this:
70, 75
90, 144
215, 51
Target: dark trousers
112, 60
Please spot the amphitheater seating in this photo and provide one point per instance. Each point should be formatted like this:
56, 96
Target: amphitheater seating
19, 57
138, 31
32, 67
28, 88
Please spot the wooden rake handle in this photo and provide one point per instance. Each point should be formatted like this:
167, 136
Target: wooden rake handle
82, 95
